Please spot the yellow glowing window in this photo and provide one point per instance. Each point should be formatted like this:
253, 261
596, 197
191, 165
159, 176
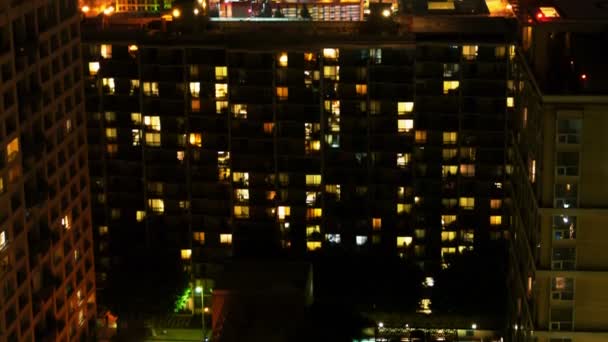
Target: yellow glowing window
361, 89
140, 215
12, 149
111, 133
495, 220
447, 251
221, 106
404, 107
450, 137
241, 195
221, 72
195, 105
136, 118
152, 122
448, 236
226, 239
548, 12
403, 208
103, 230
151, 88
196, 139
495, 203
93, 68
283, 179
112, 149
221, 90
283, 59
376, 223
467, 203
313, 245
282, 93
313, 213
195, 89
469, 52
313, 179
65, 222
241, 211
199, 237
134, 86
404, 241
108, 85
186, 254
309, 57
449, 86
184, 204
331, 54
310, 230
449, 170
532, 170
403, 159
106, 51
334, 189
283, 212
510, 102
153, 139
241, 177
180, 155
110, 116
500, 51
268, 127
157, 205
420, 233
467, 170
404, 126
331, 72
449, 153
446, 220
239, 111
420, 136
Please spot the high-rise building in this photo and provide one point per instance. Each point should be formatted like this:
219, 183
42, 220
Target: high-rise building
47, 282
310, 136
558, 188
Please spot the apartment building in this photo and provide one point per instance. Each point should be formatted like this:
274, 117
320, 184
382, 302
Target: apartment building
558, 255
47, 276
210, 144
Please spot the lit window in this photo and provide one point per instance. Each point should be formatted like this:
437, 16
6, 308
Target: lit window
221, 90
311, 198
500, 51
313, 245
449, 153
103, 230
448, 236
239, 111
404, 107
111, 133
108, 85
309, 57
495, 220
469, 52
93, 68
241, 211
136, 136
184, 204
495, 203
331, 72
448, 170
157, 205
449, 202
140, 215
333, 189
136, 118
153, 139
65, 222
12, 150
268, 127
196, 139
180, 155
106, 51
331, 54
361, 89
420, 137
468, 153
110, 116
447, 251
420, 233
241, 195
283, 59
241, 178
450, 70
360, 240
450, 137
403, 208
221, 106
374, 107
186, 254
152, 122
404, 126
226, 239
404, 241
283, 212
376, 223
282, 93
510, 102
548, 12
313, 213
403, 159
199, 237
195, 89
313, 179
446, 220
333, 238
134, 87
112, 149
311, 230
151, 88
467, 170
221, 72
283, 179
449, 86
467, 203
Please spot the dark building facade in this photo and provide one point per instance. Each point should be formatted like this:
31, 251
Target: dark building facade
47, 281
322, 136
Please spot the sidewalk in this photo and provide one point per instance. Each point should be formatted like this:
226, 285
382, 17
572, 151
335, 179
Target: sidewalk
177, 335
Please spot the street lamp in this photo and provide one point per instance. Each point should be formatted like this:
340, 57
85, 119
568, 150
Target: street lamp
201, 290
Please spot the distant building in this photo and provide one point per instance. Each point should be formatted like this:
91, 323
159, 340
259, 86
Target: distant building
47, 281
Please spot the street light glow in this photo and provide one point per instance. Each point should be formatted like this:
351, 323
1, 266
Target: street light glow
85, 9
196, 11
176, 13
198, 289
108, 10
473, 326
386, 13
380, 325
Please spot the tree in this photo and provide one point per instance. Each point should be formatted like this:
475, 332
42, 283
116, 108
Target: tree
304, 13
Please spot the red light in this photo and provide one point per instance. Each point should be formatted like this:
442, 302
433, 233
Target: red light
540, 15
583, 77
